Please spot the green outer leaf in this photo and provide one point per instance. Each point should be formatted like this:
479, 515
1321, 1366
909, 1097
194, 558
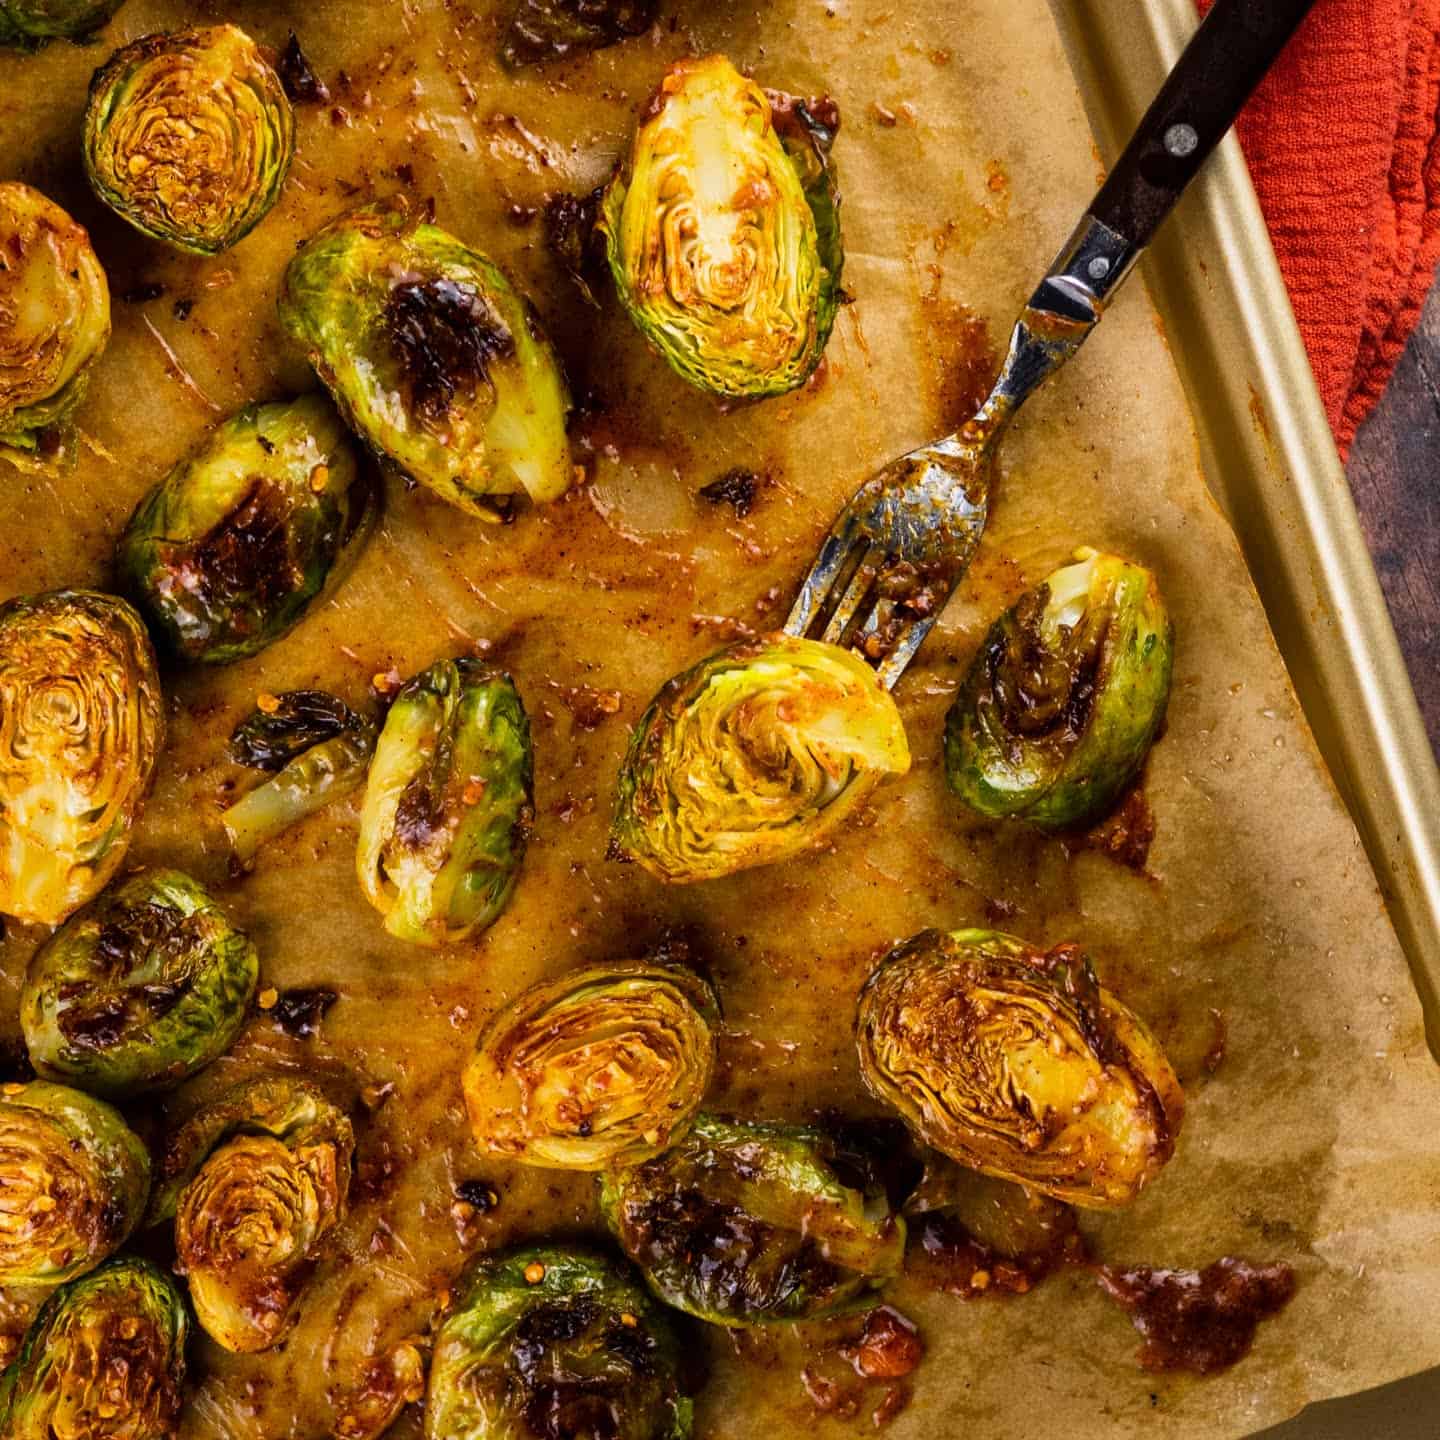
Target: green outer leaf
72, 1141
477, 1390
52, 1381
821, 1247
31, 24
508, 436
804, 200
311, 781
74, 772
456, 729
290, 1109
160, 931
605, 1064
165, 87
230, 550
689, 807
1057, 785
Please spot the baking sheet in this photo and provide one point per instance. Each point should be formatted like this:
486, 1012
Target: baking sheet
1310, 1143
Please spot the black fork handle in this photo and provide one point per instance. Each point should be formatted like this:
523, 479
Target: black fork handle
1227, 57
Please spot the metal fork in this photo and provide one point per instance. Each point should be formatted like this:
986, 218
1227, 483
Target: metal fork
901, 546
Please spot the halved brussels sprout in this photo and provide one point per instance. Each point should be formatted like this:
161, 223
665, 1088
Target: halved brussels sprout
748, 1224
1017, 1063
230, 550
255, 1181
755, 754
723, 235
432, 355
1060, 707
189, 136
551, 1341
103, 1360
73, 1182
607, 1064
82, 721
321, 750
447, 804
54, 315
550, 29
145, 986
29, 24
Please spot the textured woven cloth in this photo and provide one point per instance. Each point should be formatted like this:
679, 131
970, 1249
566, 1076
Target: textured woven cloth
1341, 140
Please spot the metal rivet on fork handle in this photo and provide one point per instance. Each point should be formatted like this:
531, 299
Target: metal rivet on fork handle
1181, 140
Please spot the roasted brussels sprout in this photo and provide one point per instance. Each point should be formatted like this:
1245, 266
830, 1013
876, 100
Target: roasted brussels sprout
432, 355
73, 1182
81, 726
447, 803
607, 1064
29, 24
145, 986
556, 1342
1018, 1064
1061, 705
255, 1181
320, 749
723, 235
54, 315
189, 136
753, 755
103, 1360
747, 1224
228, 552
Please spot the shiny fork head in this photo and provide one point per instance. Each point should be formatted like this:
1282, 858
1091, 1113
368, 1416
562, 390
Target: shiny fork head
898, 549
890, 562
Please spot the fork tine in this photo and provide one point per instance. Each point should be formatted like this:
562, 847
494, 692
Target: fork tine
836, 551
855, 593
893, 665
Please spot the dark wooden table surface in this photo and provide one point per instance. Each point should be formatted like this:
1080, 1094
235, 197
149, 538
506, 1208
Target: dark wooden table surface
1394, 471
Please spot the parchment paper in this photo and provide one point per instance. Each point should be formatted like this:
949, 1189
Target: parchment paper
1314, 1142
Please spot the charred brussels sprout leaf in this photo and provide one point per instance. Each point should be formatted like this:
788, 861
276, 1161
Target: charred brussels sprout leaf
320, 749
555, 1342
447, 804
433, 356
1018, 1064
723, 236
103, 1360
1061, 705
54, 316
228, 552
748, 1224
752, 756
255, 1181
145, 986
550, 29
606, 1064
73, 1182
283, 727
81, 726
189, 137
29, 24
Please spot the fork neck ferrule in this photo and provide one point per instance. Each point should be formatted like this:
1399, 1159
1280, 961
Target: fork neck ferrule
1066, 306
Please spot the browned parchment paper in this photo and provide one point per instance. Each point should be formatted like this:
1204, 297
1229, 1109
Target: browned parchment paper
964, 158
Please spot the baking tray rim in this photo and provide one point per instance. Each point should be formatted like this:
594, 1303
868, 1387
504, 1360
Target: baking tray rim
1270, 462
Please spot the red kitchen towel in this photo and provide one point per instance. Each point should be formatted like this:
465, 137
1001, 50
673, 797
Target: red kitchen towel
1342, 142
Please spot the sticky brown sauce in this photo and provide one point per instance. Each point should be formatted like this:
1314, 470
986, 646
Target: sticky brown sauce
1198, 1320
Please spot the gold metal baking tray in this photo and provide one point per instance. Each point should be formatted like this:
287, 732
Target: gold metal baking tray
1271, 464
